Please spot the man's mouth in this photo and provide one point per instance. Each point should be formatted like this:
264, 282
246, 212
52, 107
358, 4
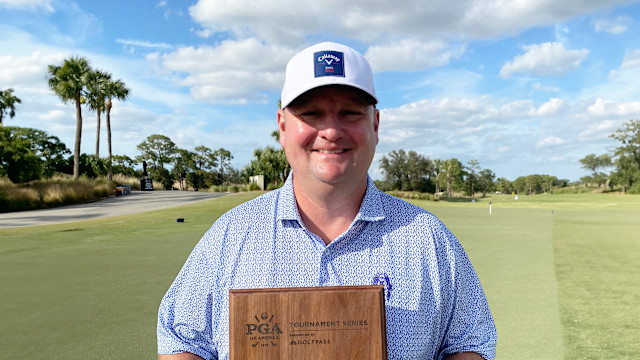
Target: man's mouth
331, 151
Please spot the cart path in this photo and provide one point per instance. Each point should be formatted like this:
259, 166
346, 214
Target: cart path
136, 202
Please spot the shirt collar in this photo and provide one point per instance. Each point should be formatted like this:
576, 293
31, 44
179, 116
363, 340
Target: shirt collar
370, 209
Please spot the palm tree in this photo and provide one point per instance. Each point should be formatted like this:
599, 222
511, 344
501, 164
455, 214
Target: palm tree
69, 81
96, 95
113, 90
8, 103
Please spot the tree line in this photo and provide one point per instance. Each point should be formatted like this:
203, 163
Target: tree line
29, 154
410, 171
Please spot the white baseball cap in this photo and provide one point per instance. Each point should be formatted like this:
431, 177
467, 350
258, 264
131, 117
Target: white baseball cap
324, 64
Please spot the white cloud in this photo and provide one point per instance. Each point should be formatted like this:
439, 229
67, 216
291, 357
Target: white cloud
602, 108
631, 60
539, 87
411, 55
27, 72
146, 44
551, 107
27, 4
385, 21
550, 141
615, 26
234, 71
599, 130
544, 59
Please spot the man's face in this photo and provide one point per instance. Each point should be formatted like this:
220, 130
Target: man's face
329, 135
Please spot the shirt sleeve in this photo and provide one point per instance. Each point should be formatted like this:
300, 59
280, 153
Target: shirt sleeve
185, 314
471, 327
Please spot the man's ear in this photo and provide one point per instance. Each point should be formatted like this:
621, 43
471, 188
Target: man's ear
281, 125
376, 123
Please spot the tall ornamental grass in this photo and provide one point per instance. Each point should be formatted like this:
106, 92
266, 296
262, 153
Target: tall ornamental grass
56, 191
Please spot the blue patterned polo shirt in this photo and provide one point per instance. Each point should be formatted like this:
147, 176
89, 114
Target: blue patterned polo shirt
435, 305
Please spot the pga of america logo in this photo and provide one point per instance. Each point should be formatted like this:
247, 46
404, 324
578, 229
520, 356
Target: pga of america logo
264, 332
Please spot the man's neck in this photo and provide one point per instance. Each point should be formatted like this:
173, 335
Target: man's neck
328, 210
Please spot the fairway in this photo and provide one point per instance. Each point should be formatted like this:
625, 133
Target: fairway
561, 273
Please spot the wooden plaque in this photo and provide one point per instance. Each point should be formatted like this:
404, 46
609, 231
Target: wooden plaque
337, 322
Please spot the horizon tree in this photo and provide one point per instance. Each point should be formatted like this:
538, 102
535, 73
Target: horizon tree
455, 173
8, 103
473, 167
628, 155
486, 180
438, 168
96, 94
114, 90
69, 82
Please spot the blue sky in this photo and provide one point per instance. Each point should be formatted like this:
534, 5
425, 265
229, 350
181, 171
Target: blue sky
522, 87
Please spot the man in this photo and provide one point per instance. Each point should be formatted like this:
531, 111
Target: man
329, 225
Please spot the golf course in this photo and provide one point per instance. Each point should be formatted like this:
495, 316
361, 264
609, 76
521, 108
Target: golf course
561, 273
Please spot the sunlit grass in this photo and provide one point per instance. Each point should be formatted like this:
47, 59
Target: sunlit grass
561, 273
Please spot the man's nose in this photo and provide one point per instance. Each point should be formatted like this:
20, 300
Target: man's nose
331, 128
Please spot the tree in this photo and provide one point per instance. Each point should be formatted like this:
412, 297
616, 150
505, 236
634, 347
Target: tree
157, 150
8, 103
122, 164
485, 179
504, 186
183, 164
626, 173
28, 154
593, 163
407, 171
204, 163
18, 160
96, 93
473, 167
548, 182
269, 162
455, 179
113, 90
628, 154
69, 82
393, 166
223, 158
519, 184
438, 168
48, 148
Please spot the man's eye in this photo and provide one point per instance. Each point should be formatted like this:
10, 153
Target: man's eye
353, 113
310, 113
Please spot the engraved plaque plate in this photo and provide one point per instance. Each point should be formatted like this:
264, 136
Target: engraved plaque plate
338, 322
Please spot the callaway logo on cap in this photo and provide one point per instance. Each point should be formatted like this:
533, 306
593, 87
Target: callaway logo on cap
326, 64
329, 63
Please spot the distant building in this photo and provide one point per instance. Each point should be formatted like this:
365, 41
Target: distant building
258, 180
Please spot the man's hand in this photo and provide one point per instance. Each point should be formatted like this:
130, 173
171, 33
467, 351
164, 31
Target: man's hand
183, 356
465, 356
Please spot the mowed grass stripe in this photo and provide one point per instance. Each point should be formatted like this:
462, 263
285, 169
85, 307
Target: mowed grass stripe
512, 252
598, 267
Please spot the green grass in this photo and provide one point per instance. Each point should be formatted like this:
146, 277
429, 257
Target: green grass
91, 290
561, 273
